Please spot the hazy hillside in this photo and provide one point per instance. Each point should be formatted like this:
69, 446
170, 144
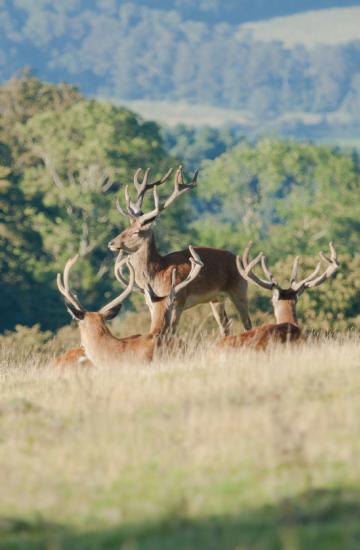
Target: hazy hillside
293, 74
331, 27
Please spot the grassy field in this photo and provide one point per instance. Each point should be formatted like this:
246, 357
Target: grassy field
210, 451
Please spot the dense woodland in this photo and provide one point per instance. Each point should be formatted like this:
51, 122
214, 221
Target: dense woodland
198, 56
64, 160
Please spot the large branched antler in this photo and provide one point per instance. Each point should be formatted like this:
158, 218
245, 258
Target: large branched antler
118, 271
196, 266
64, 288
64, 285
245, 268
134, 207
314, 279
180, 186
142, 187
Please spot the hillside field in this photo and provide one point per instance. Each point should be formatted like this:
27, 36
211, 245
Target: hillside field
207, 450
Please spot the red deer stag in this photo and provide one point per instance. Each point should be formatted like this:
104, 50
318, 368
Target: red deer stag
219, 275
98, 345
286, 328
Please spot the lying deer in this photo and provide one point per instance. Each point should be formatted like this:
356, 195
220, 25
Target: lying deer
219, 275
98, 345
74, 357
286, 328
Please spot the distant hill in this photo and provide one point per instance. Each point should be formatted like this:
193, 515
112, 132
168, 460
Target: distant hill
332, 27
278, 67
237, 11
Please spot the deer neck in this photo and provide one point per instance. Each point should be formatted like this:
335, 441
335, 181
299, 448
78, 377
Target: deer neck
285, 312
160, 316
97, 340
146, 261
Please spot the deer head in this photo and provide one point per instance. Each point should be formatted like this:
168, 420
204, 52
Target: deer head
284, 299
139, 230
92, 321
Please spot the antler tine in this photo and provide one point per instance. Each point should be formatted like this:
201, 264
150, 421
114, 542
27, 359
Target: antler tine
150, 216
145, 186
134, 207
119, 208
314, 279
140, 186
131, 207
196, 266
141, 189
117, 301
267, 271
130, 211
164, 178
333, 265
119, 263
333, 255
301, 284
64, 287
294, 271
245, 256
180, 178
180, 187
245, 269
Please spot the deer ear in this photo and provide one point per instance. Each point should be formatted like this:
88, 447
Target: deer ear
112, 313
147, 225
75, 313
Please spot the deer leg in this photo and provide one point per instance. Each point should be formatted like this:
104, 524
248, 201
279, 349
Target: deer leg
175, 317
164, 321
218, 311
239, 299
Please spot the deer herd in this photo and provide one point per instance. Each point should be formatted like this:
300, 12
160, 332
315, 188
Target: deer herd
178, 281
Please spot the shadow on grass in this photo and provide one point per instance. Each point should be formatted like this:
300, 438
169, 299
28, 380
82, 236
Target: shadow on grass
322, 519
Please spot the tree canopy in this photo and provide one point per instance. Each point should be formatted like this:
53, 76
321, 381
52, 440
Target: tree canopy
64, 160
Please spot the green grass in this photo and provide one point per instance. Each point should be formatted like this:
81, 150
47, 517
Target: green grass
210, 450
316, 519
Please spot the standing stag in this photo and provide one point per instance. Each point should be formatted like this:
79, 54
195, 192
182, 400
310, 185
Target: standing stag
219, 275
286, 328
98, 345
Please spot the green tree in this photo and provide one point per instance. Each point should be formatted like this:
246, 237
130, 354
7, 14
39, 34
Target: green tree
287, 196
67, 167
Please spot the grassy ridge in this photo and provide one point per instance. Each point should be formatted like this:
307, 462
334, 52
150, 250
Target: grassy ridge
217, 451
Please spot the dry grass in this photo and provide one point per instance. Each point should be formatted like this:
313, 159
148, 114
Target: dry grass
214, 450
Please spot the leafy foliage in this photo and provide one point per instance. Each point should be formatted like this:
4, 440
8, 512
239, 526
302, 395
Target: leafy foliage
254, 191
63, 164
194, 145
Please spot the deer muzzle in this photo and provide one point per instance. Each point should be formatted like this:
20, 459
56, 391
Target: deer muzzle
114, 245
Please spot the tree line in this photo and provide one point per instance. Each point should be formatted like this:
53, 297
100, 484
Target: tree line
203, 60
